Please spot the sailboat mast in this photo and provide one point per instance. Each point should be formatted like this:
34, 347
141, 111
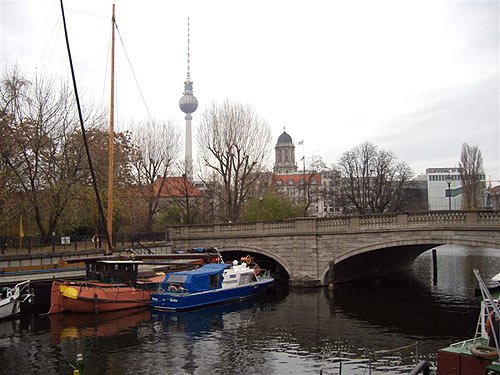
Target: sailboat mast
111, 137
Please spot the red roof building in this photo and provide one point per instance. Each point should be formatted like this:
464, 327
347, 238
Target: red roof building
175, 187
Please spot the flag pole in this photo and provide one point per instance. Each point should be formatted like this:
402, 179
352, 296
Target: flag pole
21, 233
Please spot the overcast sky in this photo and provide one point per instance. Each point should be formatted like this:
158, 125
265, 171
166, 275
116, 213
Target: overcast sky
418, 78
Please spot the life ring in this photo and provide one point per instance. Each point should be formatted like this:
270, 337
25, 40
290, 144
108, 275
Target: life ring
483, 351
248, 259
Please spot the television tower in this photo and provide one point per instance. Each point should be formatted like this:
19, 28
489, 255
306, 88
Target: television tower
188, 104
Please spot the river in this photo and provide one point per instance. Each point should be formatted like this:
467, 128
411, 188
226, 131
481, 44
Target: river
351, 330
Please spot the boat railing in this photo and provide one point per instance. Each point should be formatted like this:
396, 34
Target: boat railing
468, 342
265, 274
491, 310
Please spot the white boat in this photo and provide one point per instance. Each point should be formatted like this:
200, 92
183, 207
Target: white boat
12, 298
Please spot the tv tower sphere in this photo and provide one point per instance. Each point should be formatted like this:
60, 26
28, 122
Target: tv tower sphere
188, 103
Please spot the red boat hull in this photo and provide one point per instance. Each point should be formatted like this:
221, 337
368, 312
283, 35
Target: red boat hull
95, 297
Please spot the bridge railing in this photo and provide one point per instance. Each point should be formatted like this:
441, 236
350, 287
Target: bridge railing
485, 218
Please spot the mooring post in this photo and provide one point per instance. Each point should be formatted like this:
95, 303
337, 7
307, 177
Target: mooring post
79, 364
434, 267
331, 270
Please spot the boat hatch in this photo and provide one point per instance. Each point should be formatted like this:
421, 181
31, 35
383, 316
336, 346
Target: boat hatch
176, 279
113, 272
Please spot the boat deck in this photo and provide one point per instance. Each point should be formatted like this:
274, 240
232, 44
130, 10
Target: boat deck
457, 359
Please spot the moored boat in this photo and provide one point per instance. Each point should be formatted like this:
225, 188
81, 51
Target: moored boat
480, 354
12, 299
208, 285
114, 283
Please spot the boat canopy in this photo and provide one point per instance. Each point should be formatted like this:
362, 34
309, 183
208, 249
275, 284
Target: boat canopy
200, 279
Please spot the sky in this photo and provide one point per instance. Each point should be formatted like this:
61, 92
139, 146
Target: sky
418, 78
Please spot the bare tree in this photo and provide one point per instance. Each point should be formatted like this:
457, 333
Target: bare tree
38, 144
372, 180
7, 187
234, 143
84, 215
158, 147
471, 169
328, 190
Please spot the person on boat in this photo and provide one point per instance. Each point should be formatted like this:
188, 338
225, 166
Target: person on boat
172, 288
493, 323
176, 288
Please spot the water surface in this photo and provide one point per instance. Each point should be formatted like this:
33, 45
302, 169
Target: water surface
378, 326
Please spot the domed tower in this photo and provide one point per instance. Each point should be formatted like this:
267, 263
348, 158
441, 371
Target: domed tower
284, 161
188, 104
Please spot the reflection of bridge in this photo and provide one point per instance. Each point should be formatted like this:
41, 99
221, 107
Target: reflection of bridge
356, 246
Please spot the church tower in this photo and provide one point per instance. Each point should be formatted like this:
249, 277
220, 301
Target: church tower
284, 161
188, 104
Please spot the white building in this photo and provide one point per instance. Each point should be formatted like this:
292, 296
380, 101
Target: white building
444, 188
437, 189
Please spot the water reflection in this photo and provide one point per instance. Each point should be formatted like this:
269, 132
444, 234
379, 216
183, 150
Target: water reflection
72, 326
198, 323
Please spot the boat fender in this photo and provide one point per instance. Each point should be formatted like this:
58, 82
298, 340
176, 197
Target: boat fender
483, 351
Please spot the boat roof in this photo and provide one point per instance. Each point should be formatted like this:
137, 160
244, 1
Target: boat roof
206, 269
196, 280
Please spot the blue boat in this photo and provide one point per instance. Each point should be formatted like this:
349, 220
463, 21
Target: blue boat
208, 285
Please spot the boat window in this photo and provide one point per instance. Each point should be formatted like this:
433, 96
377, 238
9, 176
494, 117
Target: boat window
214, 281
177, 278
247, 278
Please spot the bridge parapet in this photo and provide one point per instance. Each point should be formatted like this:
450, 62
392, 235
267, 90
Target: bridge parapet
278, 226
372, 222
488, 217
439, 217
379, 221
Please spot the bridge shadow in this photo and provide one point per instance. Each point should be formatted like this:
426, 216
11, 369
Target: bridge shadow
378, 263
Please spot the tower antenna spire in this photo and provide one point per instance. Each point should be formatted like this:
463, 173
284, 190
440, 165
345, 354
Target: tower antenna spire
188, 105
188, 54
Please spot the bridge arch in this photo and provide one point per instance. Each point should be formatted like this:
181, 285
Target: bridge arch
258, 250
409, 250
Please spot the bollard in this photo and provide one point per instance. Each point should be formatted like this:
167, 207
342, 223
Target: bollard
79, 364
331, 270
434, 267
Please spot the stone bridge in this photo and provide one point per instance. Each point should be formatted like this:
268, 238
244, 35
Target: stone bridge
316, 251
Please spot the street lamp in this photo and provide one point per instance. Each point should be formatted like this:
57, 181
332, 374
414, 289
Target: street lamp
488, 200
448, 192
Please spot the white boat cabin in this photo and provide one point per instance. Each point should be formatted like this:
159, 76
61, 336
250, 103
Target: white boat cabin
238, 274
